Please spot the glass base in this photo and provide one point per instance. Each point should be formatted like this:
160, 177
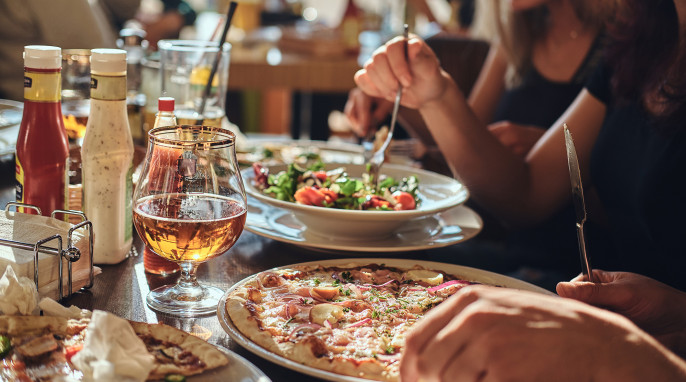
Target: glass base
185, 302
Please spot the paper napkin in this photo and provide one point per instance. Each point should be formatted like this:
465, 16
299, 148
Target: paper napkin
18, 295
112, 351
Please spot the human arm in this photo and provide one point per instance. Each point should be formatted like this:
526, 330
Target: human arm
490, 85
519, 191
655, 307
497, 334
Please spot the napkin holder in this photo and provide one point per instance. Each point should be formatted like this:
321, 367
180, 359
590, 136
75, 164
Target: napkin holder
43, 255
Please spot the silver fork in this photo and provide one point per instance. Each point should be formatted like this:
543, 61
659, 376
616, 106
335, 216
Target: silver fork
376, 161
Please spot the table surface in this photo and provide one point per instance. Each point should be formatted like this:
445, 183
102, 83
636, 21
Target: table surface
122, 288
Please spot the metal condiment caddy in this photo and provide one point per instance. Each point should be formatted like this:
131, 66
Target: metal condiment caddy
71, 254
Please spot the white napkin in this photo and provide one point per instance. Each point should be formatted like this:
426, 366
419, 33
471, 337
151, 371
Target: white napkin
18, 296
112, 351
51, 307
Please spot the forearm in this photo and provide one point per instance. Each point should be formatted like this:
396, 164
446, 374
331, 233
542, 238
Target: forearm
496, 178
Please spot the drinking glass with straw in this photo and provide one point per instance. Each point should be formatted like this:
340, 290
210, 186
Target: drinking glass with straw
195, 73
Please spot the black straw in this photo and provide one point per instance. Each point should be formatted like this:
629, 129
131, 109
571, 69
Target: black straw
215, 65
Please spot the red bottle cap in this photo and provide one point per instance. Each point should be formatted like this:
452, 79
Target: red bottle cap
165, 104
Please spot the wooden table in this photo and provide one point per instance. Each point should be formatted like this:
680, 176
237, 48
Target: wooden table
121, 289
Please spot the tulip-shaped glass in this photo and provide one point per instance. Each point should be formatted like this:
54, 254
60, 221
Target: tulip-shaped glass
189, 206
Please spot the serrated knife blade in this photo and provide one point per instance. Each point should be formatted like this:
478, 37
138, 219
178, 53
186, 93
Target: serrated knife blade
579, 203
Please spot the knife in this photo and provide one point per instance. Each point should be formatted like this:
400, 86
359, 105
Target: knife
578, 200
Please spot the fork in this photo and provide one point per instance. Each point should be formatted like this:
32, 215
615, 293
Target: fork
377, 158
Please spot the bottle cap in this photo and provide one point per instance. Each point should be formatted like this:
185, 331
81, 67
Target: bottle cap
108, 60
42, 57
165, 104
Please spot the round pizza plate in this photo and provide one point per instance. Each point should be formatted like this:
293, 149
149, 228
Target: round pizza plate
465, 273
238, 369
449, 227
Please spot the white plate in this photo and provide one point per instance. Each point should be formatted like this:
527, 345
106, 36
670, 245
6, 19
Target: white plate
446, 228
465, 273
238, 369
437, 194
285, 150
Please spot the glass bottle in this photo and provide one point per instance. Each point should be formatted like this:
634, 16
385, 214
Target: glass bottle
42, 150
152, 262
107, 158
351, 26
132, 40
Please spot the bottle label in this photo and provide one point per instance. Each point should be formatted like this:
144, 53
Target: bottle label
108, 88
19, 173
42, 86
128, 221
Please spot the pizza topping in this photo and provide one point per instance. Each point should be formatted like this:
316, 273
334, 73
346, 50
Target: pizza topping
324, 293
255, 295
269, 279
324, 314
448, 288
302, 330
424, 275
359, 323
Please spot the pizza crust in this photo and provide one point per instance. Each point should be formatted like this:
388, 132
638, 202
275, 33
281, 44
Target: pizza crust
208, 354
23, 325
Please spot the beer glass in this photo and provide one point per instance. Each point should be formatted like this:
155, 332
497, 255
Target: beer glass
186, 66
189, 206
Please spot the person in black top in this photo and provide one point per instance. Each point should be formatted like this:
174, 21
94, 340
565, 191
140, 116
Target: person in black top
542, 52
627, 124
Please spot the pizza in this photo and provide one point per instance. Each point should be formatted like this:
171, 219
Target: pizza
40, 348
349, 320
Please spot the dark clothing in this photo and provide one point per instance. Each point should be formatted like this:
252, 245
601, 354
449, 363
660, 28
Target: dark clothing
639, 171
540, 102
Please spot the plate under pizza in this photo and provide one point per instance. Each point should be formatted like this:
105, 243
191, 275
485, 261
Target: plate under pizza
336, 289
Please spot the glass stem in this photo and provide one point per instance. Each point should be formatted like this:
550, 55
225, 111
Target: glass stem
188, 281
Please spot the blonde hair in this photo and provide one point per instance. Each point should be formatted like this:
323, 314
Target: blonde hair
517, 32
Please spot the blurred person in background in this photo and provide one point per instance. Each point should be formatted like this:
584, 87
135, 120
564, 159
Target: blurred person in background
73, 24
542, 52
68, 24
628, 128
167, 24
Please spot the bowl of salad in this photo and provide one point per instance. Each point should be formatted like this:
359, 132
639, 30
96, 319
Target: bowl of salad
338, 199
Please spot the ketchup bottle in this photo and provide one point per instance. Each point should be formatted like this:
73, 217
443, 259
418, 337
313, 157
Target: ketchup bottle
42, 152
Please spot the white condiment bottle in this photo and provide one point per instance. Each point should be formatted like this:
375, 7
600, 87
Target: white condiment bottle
107, 159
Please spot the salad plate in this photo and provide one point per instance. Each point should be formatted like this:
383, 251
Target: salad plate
436, 193
449, 227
